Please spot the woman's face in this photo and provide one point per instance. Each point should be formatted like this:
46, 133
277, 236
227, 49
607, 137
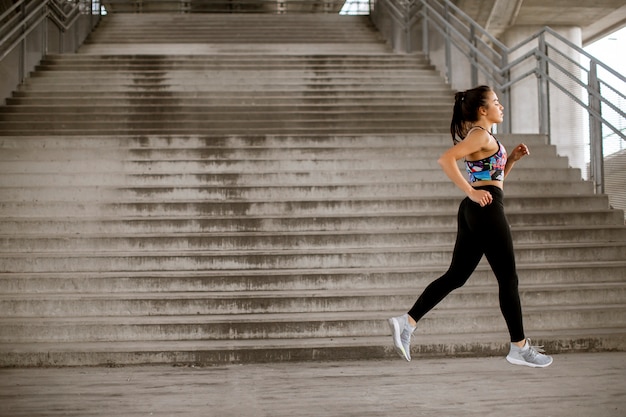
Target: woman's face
493, 111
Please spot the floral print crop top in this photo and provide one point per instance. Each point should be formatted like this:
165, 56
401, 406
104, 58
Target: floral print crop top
490, 168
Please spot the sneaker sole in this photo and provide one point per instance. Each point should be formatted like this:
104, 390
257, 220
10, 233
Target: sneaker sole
397, 343
524, 363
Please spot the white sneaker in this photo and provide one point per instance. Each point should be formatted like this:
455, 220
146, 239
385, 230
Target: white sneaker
532, 356
401, 331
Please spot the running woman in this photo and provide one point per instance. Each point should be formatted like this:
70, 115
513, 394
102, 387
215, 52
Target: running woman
482, 225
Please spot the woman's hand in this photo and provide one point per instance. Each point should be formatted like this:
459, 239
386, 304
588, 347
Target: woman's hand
481, 197
520, 151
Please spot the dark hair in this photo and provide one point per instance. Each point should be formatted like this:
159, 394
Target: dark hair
466, 105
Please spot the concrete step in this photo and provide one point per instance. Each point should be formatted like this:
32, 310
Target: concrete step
217, 35
292, 84
282, 178
438, 188
40, 102
160, 326
315, 279
210, 103
224, 81
164, 67
152, 35
99, 112
387, 153
67, 212
203, 97
329, 257
229, 127
385, 60
245, 47
301, 349
45, 240
420, 153
220, 28
263, 116
301, 86
256, 315
299, 223
226, 73
233, 142
314, 63
424, 92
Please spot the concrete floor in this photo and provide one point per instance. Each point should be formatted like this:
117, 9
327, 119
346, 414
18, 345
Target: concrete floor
588, 384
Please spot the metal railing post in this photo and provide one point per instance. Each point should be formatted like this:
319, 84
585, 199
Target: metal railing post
61, 41
21, 69
425, 40
448, 50
44, 37
505, 79
542, 89
407, 30
595, 131
474, 68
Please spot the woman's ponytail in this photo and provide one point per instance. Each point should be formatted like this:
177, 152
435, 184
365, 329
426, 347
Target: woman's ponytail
465, 110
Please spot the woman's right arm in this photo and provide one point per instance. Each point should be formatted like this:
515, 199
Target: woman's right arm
448, 162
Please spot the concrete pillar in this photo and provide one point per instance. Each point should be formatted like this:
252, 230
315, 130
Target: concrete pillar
567, 119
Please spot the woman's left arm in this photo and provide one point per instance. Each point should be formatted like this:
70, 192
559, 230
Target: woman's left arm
518, 153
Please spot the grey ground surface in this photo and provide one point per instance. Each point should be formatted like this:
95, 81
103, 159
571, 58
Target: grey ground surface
585, 384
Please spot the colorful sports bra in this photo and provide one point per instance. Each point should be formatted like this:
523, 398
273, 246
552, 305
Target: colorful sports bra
490, 168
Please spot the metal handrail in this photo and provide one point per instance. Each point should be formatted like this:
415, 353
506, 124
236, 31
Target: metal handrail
59, 17
26, 17
490, 60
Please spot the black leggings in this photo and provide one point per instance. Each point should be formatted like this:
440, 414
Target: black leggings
481, 230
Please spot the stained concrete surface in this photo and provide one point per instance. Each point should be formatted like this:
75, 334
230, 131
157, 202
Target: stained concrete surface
584, 384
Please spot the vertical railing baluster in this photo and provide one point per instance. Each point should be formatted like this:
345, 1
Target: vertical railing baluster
542, 88
22, 58
595, 130
504, 78
425, 39
448, 51
473, 57
44, 36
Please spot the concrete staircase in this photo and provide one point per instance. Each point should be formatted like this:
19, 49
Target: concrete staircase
265, 201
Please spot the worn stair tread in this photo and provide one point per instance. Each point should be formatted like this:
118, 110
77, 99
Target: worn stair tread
499, 338
290, 293
365, 187
308, 317
204, 353
324, 215
296, 251
234, 141
261, 273
400, 201
88, 235
299, 271
291, 279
